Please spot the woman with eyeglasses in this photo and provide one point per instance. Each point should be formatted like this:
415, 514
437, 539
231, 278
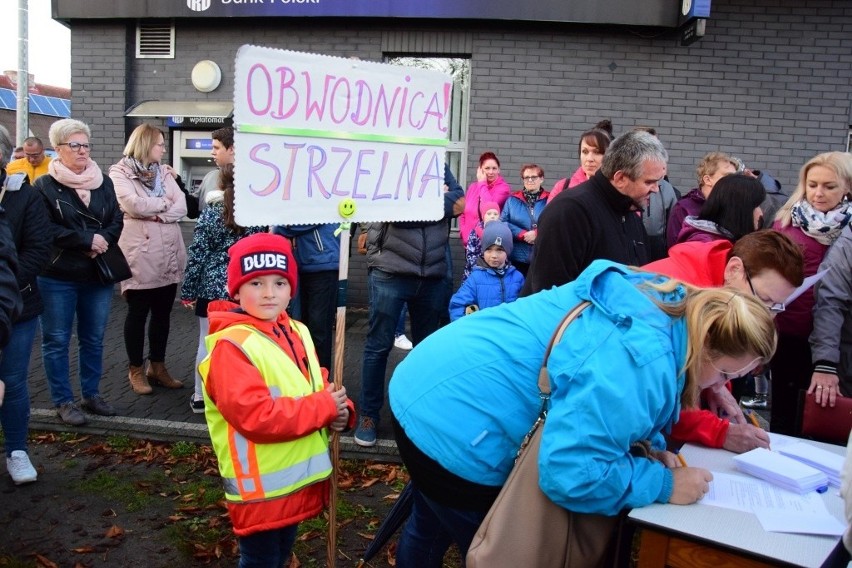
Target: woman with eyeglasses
591, 149
521, 213
765, 264
85, 221
153, 204
619, 377
489, 186
731, 211
814, 217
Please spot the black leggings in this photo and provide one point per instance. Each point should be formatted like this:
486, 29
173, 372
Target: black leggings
157, 301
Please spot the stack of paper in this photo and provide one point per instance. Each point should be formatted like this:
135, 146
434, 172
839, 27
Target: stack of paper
780, 470
827, 462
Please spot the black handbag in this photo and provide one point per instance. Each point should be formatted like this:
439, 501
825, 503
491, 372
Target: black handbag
112, 266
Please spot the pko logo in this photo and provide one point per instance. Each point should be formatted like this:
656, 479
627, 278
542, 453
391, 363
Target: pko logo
197, 5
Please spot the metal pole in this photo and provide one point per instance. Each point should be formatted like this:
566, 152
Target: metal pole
22, 124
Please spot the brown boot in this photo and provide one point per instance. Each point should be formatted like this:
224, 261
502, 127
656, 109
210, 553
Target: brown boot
158, 375
138, 382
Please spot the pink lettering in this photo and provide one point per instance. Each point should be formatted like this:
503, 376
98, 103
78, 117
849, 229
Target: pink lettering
276, 177
359, 171
288, 180
347, 153
337, 99
250, 90
376, 195
315, 106
363, 107
313, 169
287, 78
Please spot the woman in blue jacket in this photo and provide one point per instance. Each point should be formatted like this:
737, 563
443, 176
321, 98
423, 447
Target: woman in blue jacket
619, 376
521, 212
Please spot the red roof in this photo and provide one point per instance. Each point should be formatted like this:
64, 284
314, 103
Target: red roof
9, 80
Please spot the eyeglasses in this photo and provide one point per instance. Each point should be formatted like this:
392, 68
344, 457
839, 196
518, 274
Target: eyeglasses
734, 374
774, 307
531, 178
36, 155
76, 146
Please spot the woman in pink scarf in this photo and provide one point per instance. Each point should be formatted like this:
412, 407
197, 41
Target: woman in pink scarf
86, 222
153, 204
489, 186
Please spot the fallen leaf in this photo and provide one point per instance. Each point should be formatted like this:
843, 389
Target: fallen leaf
114, 532
84, 549
45, 562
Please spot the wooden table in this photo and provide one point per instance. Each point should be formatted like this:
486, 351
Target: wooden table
697, 536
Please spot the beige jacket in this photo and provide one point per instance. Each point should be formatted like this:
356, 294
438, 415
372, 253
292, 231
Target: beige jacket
151, 239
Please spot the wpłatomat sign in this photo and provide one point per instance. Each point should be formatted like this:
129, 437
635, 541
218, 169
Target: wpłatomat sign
314, 130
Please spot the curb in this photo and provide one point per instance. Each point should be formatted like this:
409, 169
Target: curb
172, 431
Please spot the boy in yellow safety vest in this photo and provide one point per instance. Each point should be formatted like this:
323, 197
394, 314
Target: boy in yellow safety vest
268, 403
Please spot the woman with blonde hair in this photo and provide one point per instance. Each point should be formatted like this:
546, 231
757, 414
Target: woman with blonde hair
619, 376
86, 222
152, 204
814, 217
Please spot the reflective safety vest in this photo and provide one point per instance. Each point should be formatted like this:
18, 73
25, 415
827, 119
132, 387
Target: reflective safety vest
253, 471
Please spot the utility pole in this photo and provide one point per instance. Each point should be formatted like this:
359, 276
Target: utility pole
22, 124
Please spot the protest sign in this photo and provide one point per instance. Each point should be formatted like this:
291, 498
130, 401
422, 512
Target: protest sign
313, 131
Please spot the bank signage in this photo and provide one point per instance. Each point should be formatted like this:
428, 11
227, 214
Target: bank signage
623, 12
317, 135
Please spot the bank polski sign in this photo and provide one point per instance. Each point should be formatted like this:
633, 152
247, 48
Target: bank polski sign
314, 132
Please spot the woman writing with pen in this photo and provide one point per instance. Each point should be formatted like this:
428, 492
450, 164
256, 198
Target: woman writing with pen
620, 375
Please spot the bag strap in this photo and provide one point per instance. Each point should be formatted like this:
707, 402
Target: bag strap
543, 375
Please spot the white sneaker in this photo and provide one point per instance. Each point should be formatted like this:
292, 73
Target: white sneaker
20, 468
402, 342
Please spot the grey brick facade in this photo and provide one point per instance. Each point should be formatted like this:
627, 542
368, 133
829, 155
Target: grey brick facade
771, 82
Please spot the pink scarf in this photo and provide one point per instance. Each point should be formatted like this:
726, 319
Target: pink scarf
92, 178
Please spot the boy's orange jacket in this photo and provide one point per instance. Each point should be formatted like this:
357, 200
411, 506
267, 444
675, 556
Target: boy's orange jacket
242, 397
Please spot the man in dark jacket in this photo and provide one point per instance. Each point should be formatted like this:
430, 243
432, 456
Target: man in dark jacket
31, 238
407, 264
10, 297
598, 218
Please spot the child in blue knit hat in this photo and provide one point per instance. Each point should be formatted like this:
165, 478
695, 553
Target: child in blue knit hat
493, 279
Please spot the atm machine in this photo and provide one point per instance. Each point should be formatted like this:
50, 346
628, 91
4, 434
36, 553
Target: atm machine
191, 156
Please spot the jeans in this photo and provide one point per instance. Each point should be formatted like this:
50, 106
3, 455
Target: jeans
316, 309
431, 529
90, 302
14, 368
388, 292
267, 549
158, 302
400, 324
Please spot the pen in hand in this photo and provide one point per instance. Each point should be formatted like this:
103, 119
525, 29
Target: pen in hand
752, 417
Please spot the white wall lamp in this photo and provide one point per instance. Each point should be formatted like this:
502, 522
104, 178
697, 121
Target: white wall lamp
206, 76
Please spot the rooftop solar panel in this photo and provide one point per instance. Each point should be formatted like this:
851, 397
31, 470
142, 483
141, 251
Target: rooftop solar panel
39, 104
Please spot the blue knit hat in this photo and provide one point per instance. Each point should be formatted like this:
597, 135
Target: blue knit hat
497, 233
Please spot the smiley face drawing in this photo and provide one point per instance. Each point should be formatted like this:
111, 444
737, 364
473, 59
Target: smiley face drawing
346, 208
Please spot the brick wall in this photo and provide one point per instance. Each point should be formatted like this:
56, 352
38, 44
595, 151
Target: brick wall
771, 82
